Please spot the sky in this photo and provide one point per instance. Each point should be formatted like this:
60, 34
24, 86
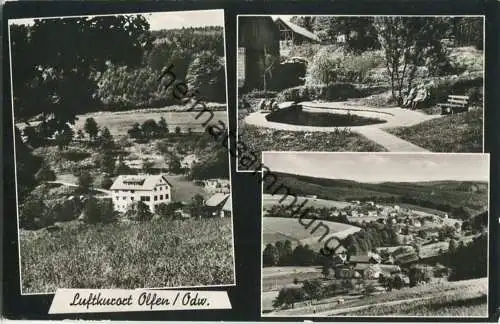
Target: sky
369, 167
168, 20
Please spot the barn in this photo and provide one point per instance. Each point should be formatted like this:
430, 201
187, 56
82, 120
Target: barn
292, 34
258, 49
219, 205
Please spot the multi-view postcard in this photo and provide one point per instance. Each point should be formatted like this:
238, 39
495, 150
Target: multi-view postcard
356, 234
360, 84
119, 185
219, 161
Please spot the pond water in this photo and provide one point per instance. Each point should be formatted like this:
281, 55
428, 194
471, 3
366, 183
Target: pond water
295, 115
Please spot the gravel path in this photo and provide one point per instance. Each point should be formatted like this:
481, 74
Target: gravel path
395, 117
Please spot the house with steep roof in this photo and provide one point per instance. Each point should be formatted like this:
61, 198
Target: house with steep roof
219, 205
150, 189
292, 34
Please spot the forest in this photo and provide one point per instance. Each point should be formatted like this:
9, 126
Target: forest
116, 70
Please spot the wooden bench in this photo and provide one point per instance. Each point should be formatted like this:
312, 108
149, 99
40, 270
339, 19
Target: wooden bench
455, 105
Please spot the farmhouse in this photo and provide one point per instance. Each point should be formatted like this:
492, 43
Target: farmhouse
258, 43
219, 205
150, 189
292, 34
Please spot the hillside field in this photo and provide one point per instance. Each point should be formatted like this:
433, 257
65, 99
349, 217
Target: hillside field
459, 298
281, 229
162, 253
119, 122
270, 200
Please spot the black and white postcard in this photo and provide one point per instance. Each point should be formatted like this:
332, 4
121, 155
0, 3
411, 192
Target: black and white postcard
359, 84
119, 183
356, 234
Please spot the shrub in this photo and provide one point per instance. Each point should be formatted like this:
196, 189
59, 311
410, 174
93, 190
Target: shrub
33, 208
332, 92
85, 181
207, 74
459, 85
288, 74
75, 155
45, 174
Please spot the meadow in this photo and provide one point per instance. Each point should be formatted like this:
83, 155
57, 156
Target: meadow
271, 200
162, 253
119, 122
460, 298
281, 228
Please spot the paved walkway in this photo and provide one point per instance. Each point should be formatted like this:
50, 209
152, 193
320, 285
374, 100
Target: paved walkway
394, 117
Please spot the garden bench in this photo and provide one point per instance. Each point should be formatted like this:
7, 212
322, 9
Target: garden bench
454, 105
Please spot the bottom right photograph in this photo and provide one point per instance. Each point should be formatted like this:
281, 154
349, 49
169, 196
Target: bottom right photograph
374, 234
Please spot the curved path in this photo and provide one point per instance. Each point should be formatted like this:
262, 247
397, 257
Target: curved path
395, 117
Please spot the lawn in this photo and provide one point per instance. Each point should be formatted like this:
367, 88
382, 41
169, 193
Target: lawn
162, 253
457, 133
280, 228
259, 140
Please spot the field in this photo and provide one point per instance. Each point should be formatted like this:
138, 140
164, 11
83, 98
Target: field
274, 278
270, 200
460, 298
278, 229
154, 254
454, 133
119, 122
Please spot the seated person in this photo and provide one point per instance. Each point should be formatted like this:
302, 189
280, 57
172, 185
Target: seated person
262, 105
409, 98
421, 96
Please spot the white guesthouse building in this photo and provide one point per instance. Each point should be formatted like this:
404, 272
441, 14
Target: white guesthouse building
150, 189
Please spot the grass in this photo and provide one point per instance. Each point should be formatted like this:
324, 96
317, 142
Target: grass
271, 200
279, 228
467, 297
457, 133
120, 122
155, 254
261, 139
274, 278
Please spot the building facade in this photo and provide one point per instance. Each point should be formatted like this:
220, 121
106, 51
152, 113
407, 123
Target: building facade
150, 189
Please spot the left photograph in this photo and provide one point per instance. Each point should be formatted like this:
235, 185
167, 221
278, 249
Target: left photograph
120, 181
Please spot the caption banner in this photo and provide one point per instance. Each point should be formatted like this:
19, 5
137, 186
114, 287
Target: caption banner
68, 301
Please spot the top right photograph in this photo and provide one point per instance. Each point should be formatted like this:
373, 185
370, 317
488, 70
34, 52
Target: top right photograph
360, 84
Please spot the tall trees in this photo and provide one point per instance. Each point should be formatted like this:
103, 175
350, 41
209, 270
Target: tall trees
59, 81
406, 43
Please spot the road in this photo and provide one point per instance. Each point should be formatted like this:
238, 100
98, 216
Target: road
107, 192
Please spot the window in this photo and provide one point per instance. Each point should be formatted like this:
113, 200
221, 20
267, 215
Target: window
154, 189
144, 198
124, 198
161, 197
131, 198
166, 196
132, 191
156, 198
